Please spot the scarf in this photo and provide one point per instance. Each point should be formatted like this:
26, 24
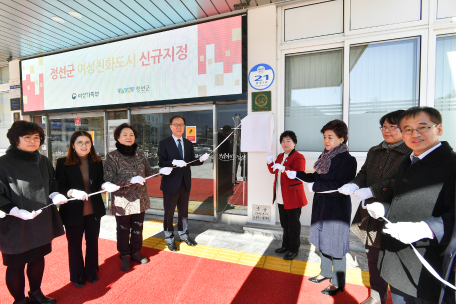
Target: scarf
126, 150
388, 146
324, 162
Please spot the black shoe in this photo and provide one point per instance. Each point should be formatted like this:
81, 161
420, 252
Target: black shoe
328, 292
125, 263
93, 278
290, 256
315, 280
80, 282
190, 241
24, 301
39, 298
281, 250
172, 246
138, 257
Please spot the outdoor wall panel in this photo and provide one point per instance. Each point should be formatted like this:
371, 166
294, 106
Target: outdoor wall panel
446, 8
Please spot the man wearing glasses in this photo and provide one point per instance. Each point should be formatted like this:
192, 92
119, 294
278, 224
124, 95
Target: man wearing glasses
176, 151
421, 211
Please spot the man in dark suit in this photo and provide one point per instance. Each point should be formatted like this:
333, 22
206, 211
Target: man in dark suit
176, 151
422, 210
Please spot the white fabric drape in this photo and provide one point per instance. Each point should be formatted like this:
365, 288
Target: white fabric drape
257, 132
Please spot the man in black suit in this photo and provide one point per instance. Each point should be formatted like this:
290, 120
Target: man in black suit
176, 151
422, 210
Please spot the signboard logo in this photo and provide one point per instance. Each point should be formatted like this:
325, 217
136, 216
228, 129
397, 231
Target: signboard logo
261, 76
191, 134
74, 96
126, 90
77, 122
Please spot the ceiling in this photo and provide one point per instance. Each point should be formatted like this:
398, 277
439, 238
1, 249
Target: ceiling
26, 27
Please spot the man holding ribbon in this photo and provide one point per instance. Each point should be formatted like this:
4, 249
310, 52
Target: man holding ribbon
177, 152
421, 211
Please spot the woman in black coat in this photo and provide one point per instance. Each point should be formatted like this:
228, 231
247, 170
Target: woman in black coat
79, 174
26, 231
331, 212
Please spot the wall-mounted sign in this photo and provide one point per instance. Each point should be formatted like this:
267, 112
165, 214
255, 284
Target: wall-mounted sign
15, 91
15, 104
261, 213
191, 133
112, 125
261, 76
261, 101
93, 136
16, 116
77, 122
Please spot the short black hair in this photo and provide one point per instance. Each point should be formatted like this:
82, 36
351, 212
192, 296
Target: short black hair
119, 129
338, 126
290, 134
174, 117
22, 128
391, 117
434, 114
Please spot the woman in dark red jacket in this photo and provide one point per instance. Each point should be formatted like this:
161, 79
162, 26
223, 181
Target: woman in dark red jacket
289, 194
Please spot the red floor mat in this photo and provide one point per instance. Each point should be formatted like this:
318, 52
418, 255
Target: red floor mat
177, 278
202, 188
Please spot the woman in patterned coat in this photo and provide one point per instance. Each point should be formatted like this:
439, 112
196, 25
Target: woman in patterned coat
375, 183
127, 167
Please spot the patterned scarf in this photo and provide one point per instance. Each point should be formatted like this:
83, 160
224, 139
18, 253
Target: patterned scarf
324, 162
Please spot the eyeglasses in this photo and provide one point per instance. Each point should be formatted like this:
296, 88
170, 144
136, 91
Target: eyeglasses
31, 139
178, 125
80, 144
421, 130
390, 128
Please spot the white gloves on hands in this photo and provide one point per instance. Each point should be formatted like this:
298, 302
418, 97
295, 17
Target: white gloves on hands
2, 214
363, 194
376, 210
270, 157
348, 189
58, 199
291, 174
409, 232
278, 166
80, 195
138, 180
179, 163
310, 186
165, 171
24, 214
204, 157
110, 187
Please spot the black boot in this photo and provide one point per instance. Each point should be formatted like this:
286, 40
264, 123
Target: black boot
39, 297
23, 301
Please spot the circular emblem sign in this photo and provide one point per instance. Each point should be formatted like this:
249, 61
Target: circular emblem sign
261, 76
261, 100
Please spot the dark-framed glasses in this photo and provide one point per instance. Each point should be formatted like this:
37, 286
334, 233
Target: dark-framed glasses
421, 130
390, 128
31, 139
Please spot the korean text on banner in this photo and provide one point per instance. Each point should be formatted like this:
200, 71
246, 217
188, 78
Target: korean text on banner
257, 132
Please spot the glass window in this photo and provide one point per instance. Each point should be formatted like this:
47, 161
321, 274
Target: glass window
4, 74
6, 119
384, 77
313, 95
445, 85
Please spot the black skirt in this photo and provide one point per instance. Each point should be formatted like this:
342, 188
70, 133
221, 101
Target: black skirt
27, 256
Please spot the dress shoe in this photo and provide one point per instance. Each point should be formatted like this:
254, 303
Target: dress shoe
38, 297
190, 241
371, 300
125, 263
23, 301
138, 257
93, 278
172, 246
316, 280
80, 282
281, 250
329, 292
290, 256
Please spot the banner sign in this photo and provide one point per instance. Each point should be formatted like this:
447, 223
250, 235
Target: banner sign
77, 122
191, 133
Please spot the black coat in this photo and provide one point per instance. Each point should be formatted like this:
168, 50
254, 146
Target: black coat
331, 212
424, 191
70, 177
167, 152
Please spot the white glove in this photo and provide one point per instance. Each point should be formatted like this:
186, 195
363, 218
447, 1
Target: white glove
24, 214
270, 157
363, 194
409, 232
110, 187
80, 195
2, 214
278, 166
138, 180
58, 199
179, 163
375, 210
204, 157
310, 186
348, 189
291, 174
165, 170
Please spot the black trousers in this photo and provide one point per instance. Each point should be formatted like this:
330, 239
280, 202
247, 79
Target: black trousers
289, 220
90, 227
170, 201
379, 288
400, 297
130, 243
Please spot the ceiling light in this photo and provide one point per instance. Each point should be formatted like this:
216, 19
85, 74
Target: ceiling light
75, 14
57, 19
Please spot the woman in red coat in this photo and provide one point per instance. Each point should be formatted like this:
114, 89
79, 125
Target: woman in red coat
289, 194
